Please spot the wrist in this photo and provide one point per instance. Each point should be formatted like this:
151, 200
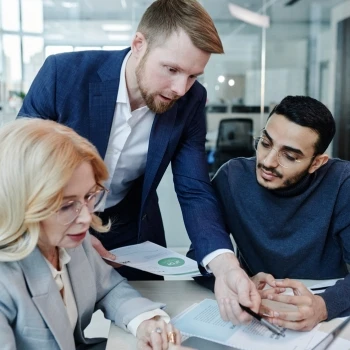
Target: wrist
321, 306
223, 263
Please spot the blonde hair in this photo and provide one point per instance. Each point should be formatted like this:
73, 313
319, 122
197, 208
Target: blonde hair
37, 159
164, 17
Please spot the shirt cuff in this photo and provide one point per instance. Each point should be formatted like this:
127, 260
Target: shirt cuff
135, 322
208, 258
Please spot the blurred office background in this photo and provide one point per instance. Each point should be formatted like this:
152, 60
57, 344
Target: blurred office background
304, 50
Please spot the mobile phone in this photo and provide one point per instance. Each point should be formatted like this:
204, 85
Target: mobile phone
203, 344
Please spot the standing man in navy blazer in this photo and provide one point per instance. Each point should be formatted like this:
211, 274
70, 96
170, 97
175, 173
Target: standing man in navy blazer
143, 108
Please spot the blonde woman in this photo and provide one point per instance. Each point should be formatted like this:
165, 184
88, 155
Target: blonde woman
51, 279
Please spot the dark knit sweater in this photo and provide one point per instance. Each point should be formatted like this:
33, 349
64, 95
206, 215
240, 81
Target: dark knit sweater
301, 232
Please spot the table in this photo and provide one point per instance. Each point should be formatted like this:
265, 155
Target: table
177, 295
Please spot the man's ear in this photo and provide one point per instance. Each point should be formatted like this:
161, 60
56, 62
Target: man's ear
138, 45
319, 160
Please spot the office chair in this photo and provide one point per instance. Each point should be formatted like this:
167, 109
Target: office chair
235, 139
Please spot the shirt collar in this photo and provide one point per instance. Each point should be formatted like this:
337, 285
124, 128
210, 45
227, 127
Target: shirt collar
64, 259
122, 90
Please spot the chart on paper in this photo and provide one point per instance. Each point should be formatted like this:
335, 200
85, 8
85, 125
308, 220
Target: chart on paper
155, 259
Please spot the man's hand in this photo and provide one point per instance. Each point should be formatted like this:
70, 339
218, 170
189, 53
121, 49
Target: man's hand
261, 280
311, 309
233, 286
104, 253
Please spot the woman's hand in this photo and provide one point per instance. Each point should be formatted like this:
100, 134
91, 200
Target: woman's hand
157, 335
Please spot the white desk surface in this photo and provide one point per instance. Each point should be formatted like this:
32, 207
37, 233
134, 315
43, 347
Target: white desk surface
177, 295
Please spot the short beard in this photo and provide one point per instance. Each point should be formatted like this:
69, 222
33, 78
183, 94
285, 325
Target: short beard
288, 182
160, 107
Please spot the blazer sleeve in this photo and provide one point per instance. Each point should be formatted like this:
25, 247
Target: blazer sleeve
7, 315
115, 297
40, 100
200, 209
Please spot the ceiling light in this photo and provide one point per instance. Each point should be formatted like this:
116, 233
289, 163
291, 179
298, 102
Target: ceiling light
121, 27
248, 16
231, 82
69, 4
221, 79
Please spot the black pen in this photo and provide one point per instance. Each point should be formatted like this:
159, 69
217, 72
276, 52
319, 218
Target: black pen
267, 324
321, 288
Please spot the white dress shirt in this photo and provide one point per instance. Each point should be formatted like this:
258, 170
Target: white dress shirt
62, 280
127, 149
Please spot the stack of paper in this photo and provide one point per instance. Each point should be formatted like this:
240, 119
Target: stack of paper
155, 259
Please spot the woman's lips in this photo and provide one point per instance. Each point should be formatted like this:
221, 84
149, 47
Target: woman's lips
77, 237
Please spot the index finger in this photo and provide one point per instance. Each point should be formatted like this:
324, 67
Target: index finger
289, 283
296, 300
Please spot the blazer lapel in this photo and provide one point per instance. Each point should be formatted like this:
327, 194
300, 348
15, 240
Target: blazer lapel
47, 298
102, 100
160, 135
83, 286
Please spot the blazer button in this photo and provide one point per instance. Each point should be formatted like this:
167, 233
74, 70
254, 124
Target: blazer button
144, 217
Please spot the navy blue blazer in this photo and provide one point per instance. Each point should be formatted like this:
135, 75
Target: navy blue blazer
80, 90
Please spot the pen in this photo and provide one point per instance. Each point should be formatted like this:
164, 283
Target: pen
321, 288
270, 326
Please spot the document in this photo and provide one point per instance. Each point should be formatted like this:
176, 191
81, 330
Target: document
155, 259
203, 320
328, 331
323, 285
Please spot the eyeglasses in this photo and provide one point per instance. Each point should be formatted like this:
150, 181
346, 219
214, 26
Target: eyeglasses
286, 159
69, 211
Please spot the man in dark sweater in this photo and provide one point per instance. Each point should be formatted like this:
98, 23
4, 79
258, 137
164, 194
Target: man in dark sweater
288, 210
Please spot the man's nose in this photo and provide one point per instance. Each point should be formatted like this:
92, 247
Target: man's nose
271, 159
179, 86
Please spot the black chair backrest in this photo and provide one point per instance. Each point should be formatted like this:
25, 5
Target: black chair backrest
235, 139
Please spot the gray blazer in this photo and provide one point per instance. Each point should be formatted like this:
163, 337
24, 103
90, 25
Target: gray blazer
32, 312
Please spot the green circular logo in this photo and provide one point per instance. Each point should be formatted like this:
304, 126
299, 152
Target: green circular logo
171, 262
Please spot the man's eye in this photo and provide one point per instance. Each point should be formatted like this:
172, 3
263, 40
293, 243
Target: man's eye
171, 70
265, 143
289, 157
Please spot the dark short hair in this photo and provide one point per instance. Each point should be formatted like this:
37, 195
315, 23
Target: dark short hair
311, 113
164, 17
